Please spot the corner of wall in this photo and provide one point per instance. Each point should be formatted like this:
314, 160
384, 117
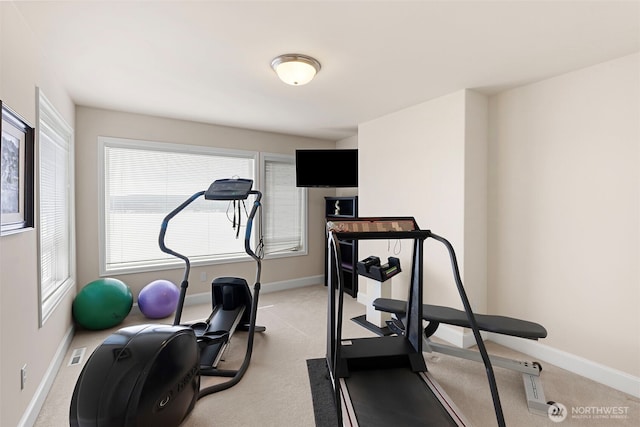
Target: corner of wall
476, 139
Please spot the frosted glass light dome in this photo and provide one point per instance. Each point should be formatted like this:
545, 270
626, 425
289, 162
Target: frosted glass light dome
295, 69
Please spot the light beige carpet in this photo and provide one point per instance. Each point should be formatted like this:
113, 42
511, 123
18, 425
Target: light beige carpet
275, 390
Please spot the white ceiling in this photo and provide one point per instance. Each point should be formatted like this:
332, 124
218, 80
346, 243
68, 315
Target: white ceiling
209, 61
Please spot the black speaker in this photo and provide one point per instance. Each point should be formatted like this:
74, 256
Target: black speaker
145, 375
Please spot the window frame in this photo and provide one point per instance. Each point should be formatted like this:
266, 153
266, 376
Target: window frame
169, 264
259, 170
264, 157
48, 117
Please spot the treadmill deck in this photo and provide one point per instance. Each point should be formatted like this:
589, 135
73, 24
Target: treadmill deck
396, 397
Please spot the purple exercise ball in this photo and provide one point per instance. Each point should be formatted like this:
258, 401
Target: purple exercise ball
158, 299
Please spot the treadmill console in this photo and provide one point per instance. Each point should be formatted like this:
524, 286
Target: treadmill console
229, 189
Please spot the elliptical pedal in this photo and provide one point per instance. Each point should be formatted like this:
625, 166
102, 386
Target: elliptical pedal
212, 346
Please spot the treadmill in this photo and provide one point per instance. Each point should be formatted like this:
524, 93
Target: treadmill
382, 381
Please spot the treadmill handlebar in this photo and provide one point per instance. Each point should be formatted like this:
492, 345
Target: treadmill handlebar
497, 405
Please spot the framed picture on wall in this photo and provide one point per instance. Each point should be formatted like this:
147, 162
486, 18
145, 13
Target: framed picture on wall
17, 172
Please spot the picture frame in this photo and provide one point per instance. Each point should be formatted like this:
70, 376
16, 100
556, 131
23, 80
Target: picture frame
16, 172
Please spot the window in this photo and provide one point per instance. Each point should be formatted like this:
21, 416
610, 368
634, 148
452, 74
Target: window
285, 216
56, 219
144, 181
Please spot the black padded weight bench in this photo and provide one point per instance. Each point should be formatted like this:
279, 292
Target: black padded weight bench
436, 315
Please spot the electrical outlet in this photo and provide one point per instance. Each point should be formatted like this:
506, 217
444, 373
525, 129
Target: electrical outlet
23, 377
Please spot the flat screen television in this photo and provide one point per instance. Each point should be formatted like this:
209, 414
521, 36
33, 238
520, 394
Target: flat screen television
327, 168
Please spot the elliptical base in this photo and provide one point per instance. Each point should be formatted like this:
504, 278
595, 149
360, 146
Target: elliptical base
139, 376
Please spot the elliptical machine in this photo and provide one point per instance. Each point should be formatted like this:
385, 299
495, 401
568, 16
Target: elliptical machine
150, 374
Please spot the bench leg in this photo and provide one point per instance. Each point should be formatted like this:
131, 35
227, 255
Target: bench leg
536, 400
535, 395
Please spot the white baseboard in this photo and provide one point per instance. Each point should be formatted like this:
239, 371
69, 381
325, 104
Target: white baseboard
195, 299
602, 374
265, 288
542, 353
463, 338
292, 284
31, 413
457, 336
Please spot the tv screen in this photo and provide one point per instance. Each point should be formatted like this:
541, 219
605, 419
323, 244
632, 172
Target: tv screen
327, 168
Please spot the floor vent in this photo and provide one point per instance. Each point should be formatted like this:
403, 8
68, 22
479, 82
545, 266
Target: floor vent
77, 356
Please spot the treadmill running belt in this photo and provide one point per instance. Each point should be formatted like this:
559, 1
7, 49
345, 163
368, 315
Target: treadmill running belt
395, 397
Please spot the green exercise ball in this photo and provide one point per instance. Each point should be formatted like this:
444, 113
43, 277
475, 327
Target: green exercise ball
102, 304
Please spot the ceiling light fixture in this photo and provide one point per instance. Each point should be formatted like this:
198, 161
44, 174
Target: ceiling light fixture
295, 69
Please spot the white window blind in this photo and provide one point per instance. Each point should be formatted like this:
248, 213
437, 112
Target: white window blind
144, 181
56, 223
284, 207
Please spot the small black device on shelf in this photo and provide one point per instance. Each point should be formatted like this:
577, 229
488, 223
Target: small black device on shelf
345, 207
370, 267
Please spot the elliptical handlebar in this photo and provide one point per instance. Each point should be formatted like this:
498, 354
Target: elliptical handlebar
247, 239
163, 247
163, 231
247, 236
